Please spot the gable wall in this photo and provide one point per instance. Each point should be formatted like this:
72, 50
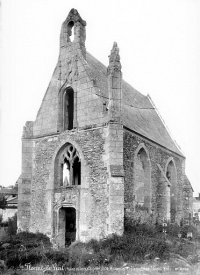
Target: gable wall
72, 70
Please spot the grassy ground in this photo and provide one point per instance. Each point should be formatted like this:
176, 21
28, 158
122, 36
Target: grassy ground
175, 265
141, 250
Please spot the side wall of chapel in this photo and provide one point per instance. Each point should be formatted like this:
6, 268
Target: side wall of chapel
157, 155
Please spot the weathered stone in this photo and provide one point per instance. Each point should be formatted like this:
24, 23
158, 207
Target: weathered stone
84, 167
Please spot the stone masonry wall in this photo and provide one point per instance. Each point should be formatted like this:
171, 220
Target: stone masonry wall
157, 155
72, 70
24, 189
93, 185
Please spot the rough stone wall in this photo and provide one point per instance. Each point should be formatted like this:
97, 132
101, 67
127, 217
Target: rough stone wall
157, 155
114, 161
107, 151
93, 183
99, 200
187, 201
24, 188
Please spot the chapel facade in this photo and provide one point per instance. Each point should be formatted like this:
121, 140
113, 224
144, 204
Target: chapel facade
97, 153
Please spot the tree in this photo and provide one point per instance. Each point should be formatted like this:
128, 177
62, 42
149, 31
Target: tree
3, 201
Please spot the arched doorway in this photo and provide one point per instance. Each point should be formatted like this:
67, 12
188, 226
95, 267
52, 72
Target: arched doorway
66, 226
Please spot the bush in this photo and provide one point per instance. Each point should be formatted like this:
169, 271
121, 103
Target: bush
137, 227
130, 247
12, 225
25, 247
188, 228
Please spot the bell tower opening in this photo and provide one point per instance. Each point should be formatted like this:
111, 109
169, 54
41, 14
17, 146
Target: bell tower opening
70, 29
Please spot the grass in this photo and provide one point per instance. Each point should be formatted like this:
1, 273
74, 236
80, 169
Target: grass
140, 244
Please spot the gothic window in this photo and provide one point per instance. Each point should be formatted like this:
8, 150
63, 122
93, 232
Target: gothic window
68, 167
68, 109
171, 176
142, 182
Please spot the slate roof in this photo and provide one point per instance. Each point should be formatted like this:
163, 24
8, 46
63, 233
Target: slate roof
138, 112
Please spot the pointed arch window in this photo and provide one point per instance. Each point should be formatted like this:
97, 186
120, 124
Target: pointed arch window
142, 180
71, 167
66, 117
68, 109
68, 167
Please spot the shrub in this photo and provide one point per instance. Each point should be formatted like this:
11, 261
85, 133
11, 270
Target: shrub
25, 247
12, 225
137, 227
188, 228
133, 246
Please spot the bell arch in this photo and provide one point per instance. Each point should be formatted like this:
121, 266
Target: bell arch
171, 175
142, 178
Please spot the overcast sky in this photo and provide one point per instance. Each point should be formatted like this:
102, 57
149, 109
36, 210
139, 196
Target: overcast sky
159, 43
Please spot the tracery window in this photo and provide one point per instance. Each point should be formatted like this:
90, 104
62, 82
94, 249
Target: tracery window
71, 167
68, 167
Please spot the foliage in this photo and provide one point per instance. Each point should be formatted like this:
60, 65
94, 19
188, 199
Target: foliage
23, 248
188, 228
138, 243
138, 227
12, 225
3, 201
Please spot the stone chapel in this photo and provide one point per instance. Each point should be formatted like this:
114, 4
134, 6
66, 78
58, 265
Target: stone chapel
98, 151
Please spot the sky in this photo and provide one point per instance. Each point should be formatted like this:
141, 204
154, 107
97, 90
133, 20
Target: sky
159, 42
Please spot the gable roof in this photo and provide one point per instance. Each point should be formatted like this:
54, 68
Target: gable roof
138, 112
